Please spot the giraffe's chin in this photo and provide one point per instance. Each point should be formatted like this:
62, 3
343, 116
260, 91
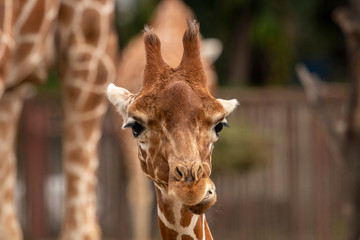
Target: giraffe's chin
204, 205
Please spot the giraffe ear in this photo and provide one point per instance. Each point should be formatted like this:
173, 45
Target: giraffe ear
120, 98
229, 105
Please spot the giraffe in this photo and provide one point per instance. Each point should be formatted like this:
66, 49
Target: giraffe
175, 122
168, 19
78, 39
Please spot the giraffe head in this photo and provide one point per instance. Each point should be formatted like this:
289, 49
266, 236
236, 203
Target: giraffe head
175, 121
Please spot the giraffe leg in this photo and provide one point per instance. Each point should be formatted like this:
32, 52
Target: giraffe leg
87, 66
84, 110
10, 107
81, 137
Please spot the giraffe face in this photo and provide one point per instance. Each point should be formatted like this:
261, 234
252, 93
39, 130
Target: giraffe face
175, 132
175, 121
176, 126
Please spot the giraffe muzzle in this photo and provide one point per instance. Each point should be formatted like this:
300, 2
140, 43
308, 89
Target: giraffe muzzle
208, 201
192, 186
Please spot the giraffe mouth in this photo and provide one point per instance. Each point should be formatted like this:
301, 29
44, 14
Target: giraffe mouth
207, 202
210, 193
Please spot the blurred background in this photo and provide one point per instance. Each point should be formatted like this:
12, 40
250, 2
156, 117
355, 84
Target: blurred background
275, 175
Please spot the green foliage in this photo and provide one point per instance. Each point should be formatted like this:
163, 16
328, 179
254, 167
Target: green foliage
239, 149
266, 27
132, 18
272, 36
282, 33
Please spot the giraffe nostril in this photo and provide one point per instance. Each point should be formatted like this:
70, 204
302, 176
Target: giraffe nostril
197, 171
180, 172
189, 174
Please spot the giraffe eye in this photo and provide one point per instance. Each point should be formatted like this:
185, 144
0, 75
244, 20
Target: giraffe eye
219, 127
136, 127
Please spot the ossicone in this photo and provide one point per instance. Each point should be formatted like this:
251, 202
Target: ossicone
192, 32
191, 42
154, 61
150, 38
191, 60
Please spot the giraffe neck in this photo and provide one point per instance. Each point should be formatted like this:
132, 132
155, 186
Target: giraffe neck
177, 222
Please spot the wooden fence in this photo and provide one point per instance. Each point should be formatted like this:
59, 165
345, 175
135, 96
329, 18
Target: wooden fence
298, 194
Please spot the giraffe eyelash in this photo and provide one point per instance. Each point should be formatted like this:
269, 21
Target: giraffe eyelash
219, 127
136, 128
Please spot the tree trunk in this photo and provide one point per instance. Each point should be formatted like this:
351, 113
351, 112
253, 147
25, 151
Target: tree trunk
349, 22
353, 158
240, 56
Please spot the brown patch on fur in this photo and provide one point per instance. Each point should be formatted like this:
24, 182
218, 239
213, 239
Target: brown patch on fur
2, 13
71, 220
69, 133
187, 237
198, 230
102, 74
3, 130
207, 231
90, 25
6, 168
23, 50
9, 195
72, 181
166, 233
79, 156
71, 95
66, 14
186, 216
90, 187
93, 99
35, 19
143, 166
